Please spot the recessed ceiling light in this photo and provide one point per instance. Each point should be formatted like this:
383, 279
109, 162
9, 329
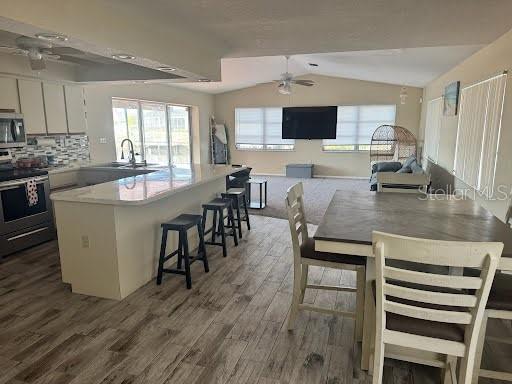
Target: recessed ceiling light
204, 80
313, 64
166, 69
123, 56
52, 36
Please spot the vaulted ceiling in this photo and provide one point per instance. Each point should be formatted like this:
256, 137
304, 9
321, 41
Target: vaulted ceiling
405, 41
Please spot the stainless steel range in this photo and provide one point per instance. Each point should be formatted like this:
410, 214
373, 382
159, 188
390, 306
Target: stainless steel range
22, 224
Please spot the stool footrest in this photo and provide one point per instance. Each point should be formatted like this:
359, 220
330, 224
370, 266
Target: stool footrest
170, 255
177, 271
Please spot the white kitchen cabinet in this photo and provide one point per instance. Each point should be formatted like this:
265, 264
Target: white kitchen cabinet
9, 94
67, 179
32, 106
55, 108
75, 108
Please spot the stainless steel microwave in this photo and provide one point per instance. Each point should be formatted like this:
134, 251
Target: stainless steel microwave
12, 130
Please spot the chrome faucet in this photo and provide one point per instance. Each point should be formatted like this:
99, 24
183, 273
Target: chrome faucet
131, 155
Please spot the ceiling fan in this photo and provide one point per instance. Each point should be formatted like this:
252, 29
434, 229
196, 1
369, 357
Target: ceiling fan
35, 49
284, 86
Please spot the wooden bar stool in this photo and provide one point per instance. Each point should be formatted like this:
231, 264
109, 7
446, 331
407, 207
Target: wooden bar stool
238, 196
217, 206
181, 224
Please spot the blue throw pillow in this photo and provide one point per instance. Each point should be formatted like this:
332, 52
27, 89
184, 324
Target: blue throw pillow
416, 168
404, 170
410, 160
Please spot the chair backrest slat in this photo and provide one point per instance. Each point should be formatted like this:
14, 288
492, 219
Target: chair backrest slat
294, 203
404, 289
441, 253
430, 314
429, 297
436, 280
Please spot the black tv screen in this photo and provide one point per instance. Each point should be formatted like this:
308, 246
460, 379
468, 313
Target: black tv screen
309, 122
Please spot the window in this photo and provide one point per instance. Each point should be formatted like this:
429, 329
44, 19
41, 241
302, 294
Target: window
160, 132
260, 129
433, 128
179, 122
356, 125
126, 124
478, 133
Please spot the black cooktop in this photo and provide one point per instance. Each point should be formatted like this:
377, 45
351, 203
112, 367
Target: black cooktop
20, 173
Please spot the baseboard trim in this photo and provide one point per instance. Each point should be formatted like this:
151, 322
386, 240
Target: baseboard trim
314, 176
268, 174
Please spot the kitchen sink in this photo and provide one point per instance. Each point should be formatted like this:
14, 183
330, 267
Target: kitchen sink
125, 165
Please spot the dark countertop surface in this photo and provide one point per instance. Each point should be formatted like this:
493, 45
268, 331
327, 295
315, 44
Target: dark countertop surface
20, 173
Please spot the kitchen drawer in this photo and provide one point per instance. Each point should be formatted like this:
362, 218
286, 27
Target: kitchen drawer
28, 237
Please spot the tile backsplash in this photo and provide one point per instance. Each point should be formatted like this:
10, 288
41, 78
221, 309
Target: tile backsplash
60, 150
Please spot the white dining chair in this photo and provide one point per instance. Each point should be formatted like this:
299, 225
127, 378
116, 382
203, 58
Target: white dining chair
304, 255
429, 312
499, 306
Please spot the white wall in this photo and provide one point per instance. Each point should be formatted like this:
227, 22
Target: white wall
327, 91
100, 122
489, 61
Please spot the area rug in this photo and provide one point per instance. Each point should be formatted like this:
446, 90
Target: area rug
318, 193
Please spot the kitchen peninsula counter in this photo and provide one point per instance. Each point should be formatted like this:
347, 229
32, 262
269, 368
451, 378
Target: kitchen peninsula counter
109, 234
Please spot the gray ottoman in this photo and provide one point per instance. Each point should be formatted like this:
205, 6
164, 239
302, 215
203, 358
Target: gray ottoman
302, 171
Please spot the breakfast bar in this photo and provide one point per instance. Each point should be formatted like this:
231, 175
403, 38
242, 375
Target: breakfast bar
109, 233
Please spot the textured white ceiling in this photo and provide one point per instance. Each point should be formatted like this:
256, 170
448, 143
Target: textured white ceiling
410, 66
277, 27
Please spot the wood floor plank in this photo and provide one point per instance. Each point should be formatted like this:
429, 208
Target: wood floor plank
230, 328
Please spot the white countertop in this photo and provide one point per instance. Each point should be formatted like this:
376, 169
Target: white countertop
143, 189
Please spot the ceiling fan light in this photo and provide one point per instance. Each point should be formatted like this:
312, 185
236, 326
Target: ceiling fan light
285, 89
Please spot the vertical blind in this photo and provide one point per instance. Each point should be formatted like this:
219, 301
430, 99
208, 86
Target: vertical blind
433, 128
260, 128
356, 124
478, 133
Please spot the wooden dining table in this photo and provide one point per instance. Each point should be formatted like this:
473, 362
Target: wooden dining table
351, 217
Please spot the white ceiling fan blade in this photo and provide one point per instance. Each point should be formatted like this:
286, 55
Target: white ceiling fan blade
13, 50
50, 56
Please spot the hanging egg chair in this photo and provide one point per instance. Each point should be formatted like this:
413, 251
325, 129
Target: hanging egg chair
392, 143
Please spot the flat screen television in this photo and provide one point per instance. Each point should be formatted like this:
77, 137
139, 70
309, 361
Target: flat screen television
311, 123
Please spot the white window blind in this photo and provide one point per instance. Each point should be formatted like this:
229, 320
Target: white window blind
260, 128
433, 128
356, 124
478, 133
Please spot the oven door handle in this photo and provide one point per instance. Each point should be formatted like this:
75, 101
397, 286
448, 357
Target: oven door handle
16, 184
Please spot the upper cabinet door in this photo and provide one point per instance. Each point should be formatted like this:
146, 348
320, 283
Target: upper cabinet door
75, 108
55, 108
32, 106
9, 94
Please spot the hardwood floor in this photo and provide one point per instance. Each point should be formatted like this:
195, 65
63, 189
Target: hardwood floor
229, 328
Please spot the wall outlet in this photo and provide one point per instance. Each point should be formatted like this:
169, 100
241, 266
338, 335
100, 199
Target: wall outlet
85, 241
103, 140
